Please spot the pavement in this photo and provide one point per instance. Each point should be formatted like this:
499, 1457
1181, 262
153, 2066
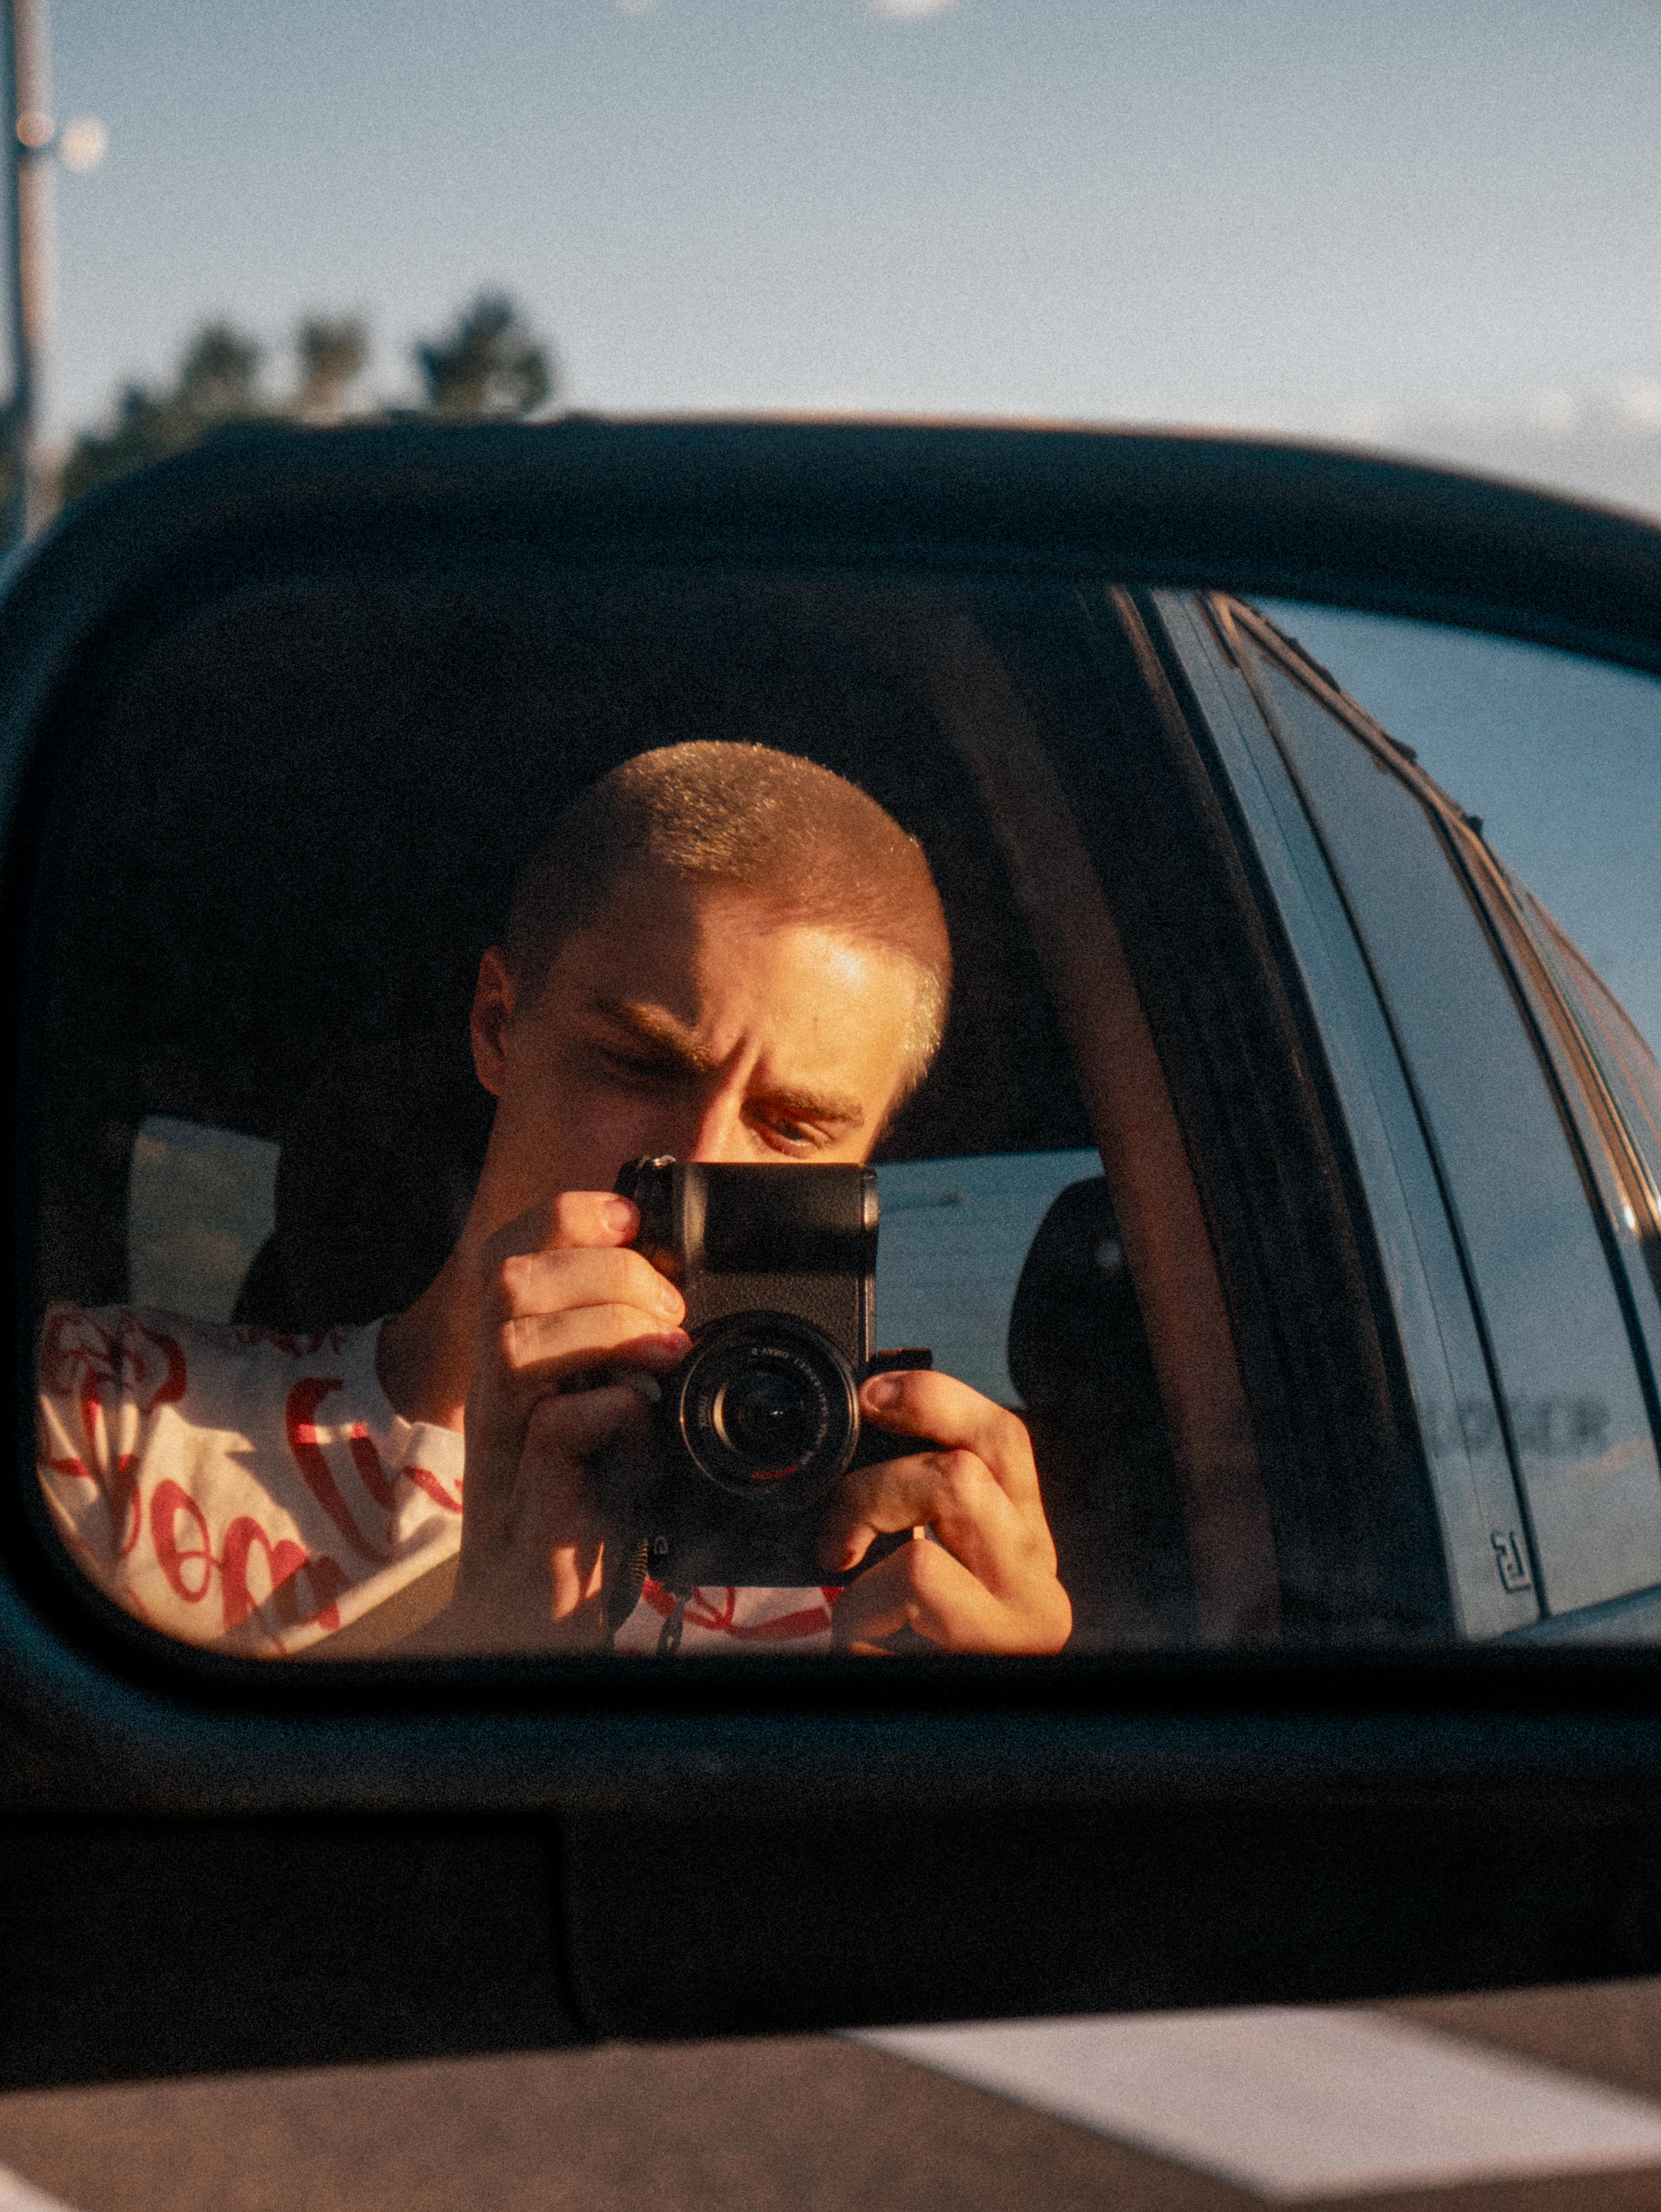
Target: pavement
824, 2124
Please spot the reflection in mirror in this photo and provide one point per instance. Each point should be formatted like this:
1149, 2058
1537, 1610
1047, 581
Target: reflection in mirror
1559, 758
1535, 1094
427, 913
1264, 1231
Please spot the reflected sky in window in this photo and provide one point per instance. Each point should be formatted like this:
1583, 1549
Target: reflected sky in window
1562, 758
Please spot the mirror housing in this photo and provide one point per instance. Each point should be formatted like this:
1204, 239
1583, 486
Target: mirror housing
484, 1855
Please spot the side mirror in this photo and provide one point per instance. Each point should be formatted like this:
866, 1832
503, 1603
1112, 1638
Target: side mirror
1263, 1612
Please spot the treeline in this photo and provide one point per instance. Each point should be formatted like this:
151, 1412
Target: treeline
487, 363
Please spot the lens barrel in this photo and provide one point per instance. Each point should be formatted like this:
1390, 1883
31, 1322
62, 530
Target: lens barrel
766, 1407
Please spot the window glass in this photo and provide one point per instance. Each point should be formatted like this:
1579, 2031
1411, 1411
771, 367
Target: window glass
1559, 757
201, 1202
955, 1234
322, 1018
1490, 1575
1555, 760
1623, 1057
1570, 1395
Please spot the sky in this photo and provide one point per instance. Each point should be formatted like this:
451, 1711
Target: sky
1432, 225
1560, 756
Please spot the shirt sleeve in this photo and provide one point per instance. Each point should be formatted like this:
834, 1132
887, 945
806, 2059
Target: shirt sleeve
102, 1377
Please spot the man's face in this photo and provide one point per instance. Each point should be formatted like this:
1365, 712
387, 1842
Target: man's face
691, 1021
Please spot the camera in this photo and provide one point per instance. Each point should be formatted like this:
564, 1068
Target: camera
777, 1266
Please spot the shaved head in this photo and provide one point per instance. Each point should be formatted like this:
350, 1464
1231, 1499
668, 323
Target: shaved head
792, 834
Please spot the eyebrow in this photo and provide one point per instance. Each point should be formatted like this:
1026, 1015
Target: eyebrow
650, 1025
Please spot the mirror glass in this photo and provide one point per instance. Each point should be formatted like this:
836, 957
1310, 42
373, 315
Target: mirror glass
682, 1114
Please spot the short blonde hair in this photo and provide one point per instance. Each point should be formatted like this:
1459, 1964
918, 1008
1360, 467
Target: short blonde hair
804, 839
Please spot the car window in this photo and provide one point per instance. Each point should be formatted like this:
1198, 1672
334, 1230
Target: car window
1571, 1400
954, 1236
1623, 1057
1559, 758
1483, 1522
201, 1202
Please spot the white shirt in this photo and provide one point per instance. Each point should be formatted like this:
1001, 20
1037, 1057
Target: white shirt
256, 1492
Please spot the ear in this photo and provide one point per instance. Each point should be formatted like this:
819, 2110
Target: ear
492, 1017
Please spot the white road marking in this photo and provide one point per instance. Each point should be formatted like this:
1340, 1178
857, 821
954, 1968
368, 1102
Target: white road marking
1300, 2104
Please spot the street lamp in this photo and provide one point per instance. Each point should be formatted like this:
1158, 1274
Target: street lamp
37, 144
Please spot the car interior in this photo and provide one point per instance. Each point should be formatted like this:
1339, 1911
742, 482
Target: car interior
295, 826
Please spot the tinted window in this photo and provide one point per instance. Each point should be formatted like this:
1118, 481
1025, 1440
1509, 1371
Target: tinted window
1559, 757
1570, 1400
1482, 1527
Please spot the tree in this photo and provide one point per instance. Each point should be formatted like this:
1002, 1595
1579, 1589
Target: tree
488, 363
219, 379
217, 384
332, 355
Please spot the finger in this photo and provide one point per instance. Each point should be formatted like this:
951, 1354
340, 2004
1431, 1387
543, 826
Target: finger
549, 1281
561, 1348
570, 1220
921, 1587
921, 1403
541, 1348
953, 1492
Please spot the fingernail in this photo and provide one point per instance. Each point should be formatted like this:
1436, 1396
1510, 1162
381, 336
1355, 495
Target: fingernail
670, 1299
675, 1340
882, 1390
620, 1213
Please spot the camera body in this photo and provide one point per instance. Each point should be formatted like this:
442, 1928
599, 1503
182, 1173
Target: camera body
777, 1266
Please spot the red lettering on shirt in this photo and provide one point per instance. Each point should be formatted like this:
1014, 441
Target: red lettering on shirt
327, 1579
286, 1561
703, 1612
283, 1560
423, 1479
371, 1472
300, 1421
168, 1502
77, 1359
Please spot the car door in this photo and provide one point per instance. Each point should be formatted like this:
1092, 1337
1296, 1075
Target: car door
1509, 1196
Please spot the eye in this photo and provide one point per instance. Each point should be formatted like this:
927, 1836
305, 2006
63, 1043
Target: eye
788, 1134
637, 1068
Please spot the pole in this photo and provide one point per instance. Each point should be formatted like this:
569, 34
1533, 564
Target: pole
34, 498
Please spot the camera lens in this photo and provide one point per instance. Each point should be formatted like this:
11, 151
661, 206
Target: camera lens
770, 1418
766, 1406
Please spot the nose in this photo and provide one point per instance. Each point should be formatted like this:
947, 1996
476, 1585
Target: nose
719, 1133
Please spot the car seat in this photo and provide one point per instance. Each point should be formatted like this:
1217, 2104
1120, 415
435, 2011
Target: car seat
376, 1171
1079, 1360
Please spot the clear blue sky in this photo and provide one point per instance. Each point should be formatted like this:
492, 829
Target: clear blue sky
1560, 757
1435, 222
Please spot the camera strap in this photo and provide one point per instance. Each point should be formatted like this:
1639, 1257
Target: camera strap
623, 1595
674, 1624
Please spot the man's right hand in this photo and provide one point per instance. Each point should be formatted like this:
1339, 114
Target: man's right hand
571, 1322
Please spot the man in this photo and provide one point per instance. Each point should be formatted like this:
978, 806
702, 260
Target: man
723, 953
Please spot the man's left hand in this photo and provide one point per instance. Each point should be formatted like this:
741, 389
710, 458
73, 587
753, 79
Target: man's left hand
989, 1583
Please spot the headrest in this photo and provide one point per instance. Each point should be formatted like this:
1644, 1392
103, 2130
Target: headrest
377, 1170
1073, 1300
